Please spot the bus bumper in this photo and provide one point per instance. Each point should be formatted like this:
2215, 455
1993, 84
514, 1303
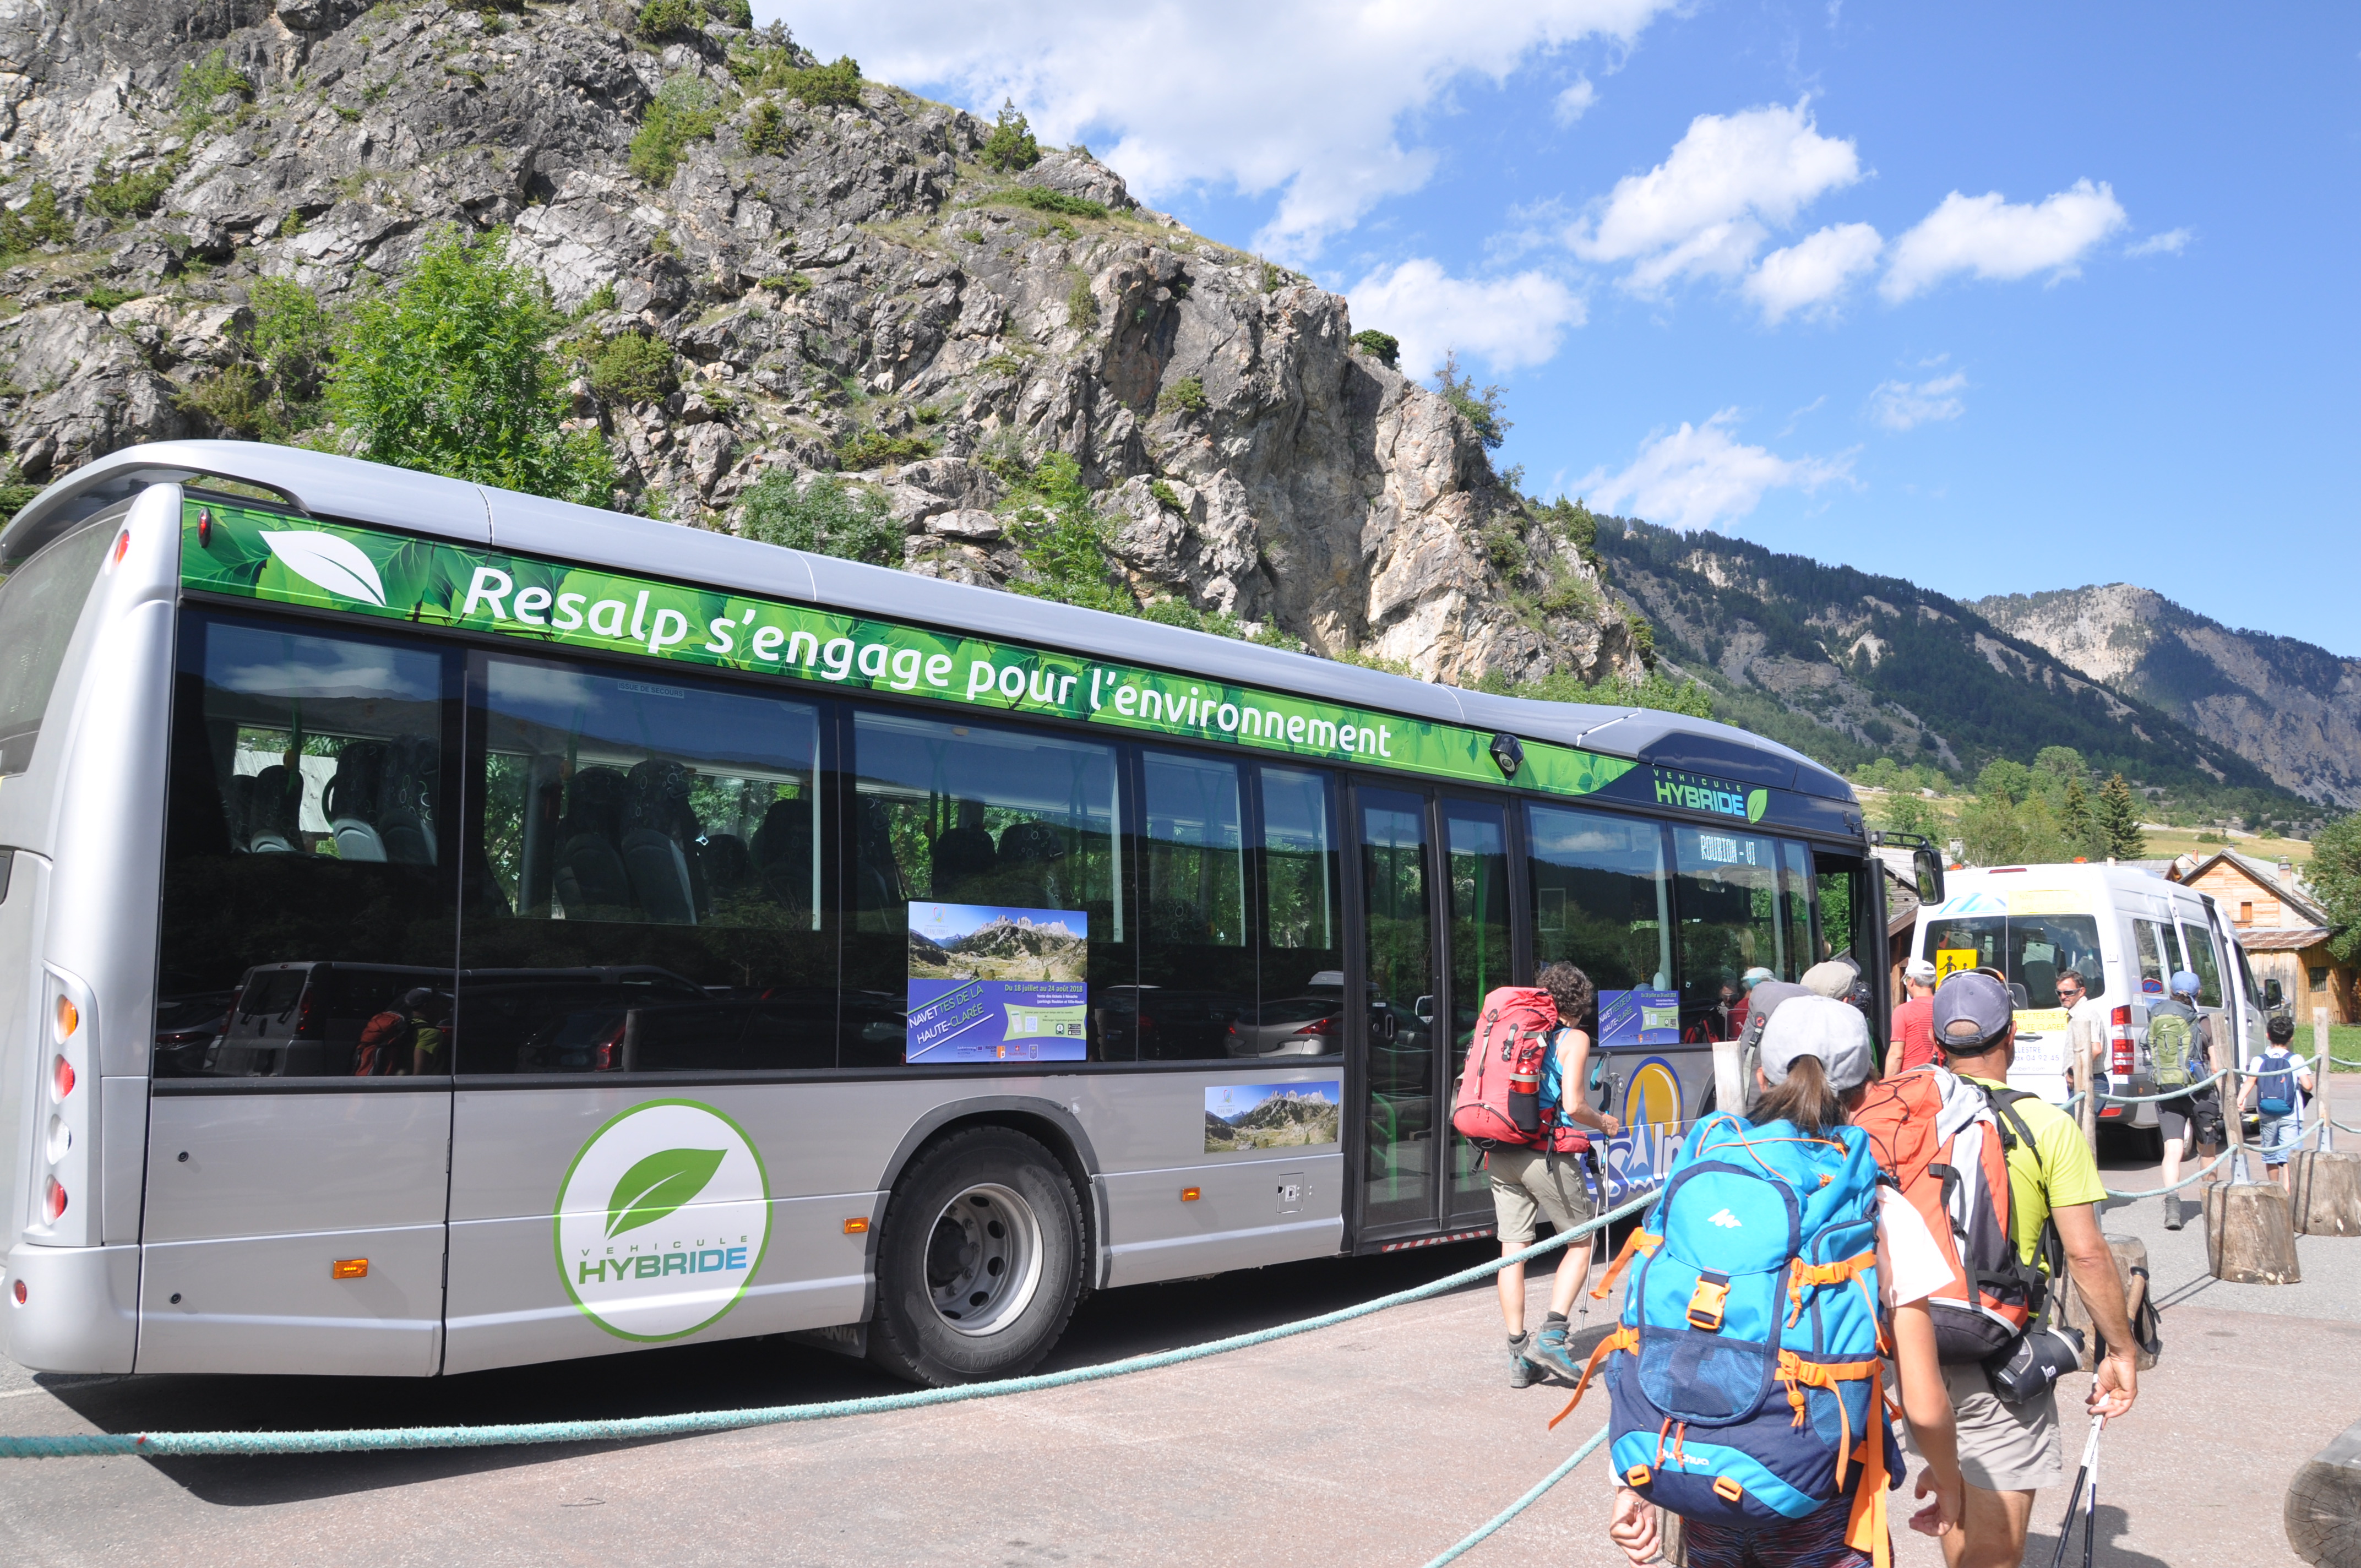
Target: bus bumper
70, 1309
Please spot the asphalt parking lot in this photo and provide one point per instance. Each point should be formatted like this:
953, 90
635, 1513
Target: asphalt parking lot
1380, 1442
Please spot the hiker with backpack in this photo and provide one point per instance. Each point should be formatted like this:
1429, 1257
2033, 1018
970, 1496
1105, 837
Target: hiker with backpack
1521, 1100
2277, 1091
2180, 1053
2008, 1447
1776, 1273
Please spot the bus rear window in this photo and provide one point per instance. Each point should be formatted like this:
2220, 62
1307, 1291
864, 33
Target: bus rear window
39, 605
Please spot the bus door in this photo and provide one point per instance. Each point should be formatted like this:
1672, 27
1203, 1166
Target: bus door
1436, 936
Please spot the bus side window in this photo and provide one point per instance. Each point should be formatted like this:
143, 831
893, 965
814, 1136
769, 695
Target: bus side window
2153, 946
2203, 962
1600, 898
306, 836
645, 891
1196, 963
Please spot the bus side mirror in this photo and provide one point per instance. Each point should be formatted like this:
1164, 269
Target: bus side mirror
1927, 867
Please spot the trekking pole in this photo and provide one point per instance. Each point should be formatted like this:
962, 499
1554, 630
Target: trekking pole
2087, 1472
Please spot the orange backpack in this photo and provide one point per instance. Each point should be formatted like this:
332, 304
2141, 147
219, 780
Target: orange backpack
1959, 1183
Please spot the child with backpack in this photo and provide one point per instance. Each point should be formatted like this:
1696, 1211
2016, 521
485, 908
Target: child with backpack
1776, 1277
2277, 1091
1521, 1100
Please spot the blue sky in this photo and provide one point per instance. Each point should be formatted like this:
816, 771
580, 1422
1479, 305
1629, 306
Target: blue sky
1998, 300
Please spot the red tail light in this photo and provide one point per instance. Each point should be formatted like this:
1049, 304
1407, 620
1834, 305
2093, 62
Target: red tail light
2119, 1041
53, 1199
307, 1011
1321, 1027
602, 1055
62, 1077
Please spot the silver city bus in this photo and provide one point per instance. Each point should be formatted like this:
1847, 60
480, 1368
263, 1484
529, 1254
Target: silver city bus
446, 929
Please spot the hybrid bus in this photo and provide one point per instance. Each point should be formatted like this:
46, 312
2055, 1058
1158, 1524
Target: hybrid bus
446, 928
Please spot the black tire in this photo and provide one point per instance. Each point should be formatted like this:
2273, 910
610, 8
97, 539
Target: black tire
979, 1262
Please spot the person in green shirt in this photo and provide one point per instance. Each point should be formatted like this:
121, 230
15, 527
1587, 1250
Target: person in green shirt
2008, 1453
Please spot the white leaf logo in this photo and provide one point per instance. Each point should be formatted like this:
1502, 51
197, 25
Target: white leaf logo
327, 562
1726, 1220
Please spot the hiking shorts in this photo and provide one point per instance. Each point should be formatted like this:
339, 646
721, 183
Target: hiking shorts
2004, 1448
2173, 1117
1527, 1184
1816, 1540
2279, 1135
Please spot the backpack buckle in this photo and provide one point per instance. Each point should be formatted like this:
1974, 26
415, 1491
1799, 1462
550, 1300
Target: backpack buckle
1636, 1477
1708, 1301
1727, 1489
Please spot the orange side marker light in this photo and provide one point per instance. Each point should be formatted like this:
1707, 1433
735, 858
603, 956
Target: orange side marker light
349, 1268
857, 1226
1191, 1194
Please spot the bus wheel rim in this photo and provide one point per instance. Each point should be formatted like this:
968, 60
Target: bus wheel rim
983, 1259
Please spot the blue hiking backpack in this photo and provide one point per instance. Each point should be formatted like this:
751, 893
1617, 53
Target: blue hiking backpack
2275, 1084
1745, 1369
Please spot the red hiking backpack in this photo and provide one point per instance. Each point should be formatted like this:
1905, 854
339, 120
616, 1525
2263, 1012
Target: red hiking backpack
385, 1039
1499, 1097
1945, 1142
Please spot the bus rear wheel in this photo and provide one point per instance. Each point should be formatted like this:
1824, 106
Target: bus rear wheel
980, 1262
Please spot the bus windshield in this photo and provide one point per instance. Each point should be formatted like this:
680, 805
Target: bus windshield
2031, 951
39, 605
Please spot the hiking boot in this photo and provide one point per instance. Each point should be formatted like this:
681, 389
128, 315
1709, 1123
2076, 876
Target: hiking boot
2172, 1210
1550, 1349
1522, 1373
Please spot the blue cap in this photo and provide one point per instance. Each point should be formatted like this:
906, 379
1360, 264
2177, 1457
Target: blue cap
2185, 984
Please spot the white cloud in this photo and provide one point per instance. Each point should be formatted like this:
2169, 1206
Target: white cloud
1505, 322
1304, 98
1709, 206
1699, 476
1990, 237
2172, 242
1900, 405
1574, 102
1814, 270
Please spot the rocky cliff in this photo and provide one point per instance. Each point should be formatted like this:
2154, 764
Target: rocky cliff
2292, 709
840, 286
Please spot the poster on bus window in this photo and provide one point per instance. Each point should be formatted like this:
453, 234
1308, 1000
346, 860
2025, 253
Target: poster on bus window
993, 983
1639, 1017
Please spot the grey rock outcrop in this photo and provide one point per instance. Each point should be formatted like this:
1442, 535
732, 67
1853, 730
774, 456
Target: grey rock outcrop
845, 287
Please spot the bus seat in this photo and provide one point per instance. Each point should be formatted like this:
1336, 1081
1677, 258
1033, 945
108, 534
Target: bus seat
728, 866
357, 840
2040, 978
238, 808
590, 876
880, 897
965, 858
1029, 853
783, 851
659, 877
272, 819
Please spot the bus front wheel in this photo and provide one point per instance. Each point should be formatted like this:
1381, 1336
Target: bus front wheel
981, 1260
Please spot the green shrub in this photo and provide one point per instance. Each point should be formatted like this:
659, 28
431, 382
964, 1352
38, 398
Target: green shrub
1042, 201
1082, 305
837, 85
293, 342
1180, 613
1381, 347
132, 195
826, 516
767, 62
14, 494
685, 109
972, 236
1011, 146
36, 223
1481, 408
766, 129
204, 80
1163, 495
1269, 635
350, 116
1002, 365
1064, 540
633, 369
1185, 396
232, 398
875, 449
104, 297
601, 300
449, 374
662, 18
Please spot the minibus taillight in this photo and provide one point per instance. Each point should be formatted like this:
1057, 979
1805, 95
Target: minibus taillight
61, 1077
2119, 1040
69, 1019
53, 1199
305, 1014
602, 1056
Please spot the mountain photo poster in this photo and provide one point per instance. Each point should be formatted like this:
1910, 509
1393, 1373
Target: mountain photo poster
994, 983
1271, 1115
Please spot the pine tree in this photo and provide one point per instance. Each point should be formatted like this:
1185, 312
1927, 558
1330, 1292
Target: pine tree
2119, 819
2074, 816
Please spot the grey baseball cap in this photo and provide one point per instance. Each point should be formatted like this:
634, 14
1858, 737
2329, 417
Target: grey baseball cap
1818, 1027
1971, 1008
1833, 977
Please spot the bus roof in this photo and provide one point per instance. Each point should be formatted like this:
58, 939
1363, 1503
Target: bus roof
349, 490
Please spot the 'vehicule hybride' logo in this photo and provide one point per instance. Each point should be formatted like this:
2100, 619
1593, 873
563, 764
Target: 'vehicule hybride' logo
1694, 792
662, 1220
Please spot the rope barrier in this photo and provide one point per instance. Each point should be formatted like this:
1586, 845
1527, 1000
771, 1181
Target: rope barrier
206, 1444
1528, 1500
2198, 1174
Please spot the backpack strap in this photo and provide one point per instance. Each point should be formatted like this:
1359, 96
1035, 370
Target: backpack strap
1625, 1337
1639, 1241
1803, 1277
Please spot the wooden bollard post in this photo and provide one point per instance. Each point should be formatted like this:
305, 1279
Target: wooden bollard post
2324, 1182
2323, 1512
2130, 1253
2249, 1235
